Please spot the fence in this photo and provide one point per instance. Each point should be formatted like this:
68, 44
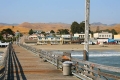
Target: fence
82, 69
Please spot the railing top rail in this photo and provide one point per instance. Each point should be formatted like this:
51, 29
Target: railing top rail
95, 68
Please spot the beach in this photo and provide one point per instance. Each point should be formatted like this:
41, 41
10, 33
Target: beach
2, 49
77, 47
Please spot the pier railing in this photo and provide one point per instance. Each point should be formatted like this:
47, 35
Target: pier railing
3, 63
82, 69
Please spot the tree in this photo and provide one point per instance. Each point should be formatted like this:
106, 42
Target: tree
1, 37
78, 28
74, 27
30, 31
52, 31
43, 32
113, 31
81, 28
7, 31
63, 31
66, 31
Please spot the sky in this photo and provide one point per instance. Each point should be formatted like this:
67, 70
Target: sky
58, 11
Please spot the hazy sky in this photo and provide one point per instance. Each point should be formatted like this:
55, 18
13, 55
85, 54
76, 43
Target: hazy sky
65, 11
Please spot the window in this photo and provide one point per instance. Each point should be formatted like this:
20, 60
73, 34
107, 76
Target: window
109, 35
102, 35
99, 35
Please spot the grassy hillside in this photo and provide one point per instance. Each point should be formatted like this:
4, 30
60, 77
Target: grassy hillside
15, 28
25, 27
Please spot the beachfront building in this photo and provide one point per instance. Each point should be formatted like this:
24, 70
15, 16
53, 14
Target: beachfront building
49, 40
117, 38
33, 36
66, 39
31, 40
42, 40
103, 35
81, 35
78, 38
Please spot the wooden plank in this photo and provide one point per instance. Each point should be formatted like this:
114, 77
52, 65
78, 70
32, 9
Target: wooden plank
24, 68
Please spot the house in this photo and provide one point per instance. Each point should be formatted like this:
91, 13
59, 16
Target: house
49, 40
33, 36
32, 39
66, 39
79, 38
102, 37
81, 35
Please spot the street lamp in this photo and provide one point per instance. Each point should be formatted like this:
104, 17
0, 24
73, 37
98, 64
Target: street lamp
17, 34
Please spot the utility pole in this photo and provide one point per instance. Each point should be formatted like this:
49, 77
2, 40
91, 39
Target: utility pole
86, 46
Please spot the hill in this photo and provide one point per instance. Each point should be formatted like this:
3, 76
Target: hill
116, 27
26, 26
45, 26
15, 28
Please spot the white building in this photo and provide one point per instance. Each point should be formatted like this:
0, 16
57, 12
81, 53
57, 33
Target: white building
66, 39
103, 35
49, 40
66, 36
33, 36
81, 35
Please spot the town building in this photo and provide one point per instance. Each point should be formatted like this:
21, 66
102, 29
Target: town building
117, 38
82, 35
103, 35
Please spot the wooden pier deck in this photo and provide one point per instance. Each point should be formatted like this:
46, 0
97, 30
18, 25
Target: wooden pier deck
24, 65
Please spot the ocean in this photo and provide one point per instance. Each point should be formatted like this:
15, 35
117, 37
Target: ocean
106, 57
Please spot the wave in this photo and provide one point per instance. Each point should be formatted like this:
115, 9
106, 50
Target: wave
96, 55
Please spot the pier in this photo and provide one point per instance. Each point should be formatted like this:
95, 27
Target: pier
24, 65
23, 62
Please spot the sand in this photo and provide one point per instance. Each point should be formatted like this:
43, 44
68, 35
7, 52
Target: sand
77, 47
2, 49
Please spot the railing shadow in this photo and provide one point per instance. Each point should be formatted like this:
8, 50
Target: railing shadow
10, 66
14, 63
